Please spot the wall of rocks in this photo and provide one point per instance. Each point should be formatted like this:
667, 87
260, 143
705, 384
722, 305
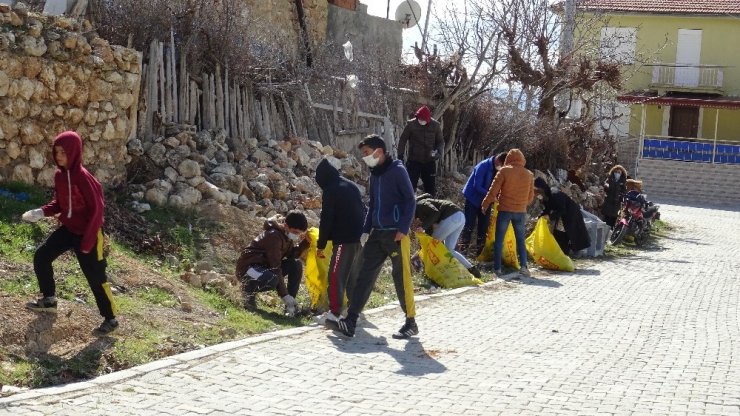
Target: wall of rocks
268, 177
280, 17
56, 75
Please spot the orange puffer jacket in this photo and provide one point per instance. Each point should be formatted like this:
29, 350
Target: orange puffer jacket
513, 186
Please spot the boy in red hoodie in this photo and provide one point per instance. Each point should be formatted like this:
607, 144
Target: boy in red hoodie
78, 204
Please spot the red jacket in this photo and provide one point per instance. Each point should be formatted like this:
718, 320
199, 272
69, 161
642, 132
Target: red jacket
78, 196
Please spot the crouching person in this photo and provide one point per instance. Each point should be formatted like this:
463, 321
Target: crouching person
273, 255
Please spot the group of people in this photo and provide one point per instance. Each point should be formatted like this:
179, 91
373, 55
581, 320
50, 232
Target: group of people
363, 238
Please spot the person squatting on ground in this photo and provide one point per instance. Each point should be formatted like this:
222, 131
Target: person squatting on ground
78, 204
387, 221
474, 191
614, 188
444, 221
559, 207
271, 256
342, 216
513, 188
426, 145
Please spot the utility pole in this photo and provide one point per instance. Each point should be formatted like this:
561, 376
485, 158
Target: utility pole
566, 50
388, 10
569, 28
426, 26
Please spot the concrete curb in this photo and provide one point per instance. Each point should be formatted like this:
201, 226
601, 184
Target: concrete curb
214, 350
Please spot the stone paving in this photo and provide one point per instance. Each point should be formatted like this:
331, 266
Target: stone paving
656, 333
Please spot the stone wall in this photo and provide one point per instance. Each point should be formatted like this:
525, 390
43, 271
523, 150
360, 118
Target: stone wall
691, 183
275, 14
366, 32
54, 76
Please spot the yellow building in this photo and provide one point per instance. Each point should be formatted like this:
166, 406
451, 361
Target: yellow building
682, 103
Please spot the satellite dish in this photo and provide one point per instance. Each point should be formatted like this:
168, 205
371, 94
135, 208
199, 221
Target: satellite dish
408, 13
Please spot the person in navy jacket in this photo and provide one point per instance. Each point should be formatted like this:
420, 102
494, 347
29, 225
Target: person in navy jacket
474, 191
387, 222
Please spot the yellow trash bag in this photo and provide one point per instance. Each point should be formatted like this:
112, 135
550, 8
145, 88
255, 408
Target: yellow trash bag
317, 271
543, 247
508, 253
441, 266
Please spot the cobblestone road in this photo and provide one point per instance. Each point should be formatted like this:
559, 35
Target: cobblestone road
654, 333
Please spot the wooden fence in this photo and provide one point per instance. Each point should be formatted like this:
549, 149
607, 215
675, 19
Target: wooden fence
173, 100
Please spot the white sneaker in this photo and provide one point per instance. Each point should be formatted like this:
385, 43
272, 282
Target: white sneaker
525, 272
326, 316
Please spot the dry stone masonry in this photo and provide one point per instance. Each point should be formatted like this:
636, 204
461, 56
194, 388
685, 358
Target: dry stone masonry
261, 177
56, 75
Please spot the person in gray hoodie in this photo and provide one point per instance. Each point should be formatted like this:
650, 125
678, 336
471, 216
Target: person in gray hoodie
342, 216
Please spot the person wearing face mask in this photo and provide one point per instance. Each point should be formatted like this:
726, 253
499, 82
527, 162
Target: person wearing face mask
342, 214
559, 207
271, 256
615, 187
426, 145
387, 222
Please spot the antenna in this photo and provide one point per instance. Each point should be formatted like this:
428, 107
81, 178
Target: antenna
408, 13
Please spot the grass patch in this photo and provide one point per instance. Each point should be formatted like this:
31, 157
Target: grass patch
23, 285
156, 296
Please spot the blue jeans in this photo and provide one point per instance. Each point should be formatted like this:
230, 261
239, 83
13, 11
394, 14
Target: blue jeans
502, 224
448, 231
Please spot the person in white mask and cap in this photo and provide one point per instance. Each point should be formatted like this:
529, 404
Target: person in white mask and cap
426, 145
388, 220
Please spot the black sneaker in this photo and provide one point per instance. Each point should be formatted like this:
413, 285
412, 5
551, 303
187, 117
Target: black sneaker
45, 304
474, 271
108, 326
345, 326
250, 302
408, 330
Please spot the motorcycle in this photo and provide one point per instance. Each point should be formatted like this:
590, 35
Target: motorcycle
636, 218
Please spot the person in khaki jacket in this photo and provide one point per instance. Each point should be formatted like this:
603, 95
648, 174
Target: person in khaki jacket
513, 188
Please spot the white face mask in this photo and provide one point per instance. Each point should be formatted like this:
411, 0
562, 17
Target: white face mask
539, 196
294, 237
370, 160
422, 122
617, 175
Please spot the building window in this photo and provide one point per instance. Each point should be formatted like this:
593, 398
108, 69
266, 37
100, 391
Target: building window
618, 44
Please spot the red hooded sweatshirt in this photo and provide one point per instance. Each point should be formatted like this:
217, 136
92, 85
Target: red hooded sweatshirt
78, 196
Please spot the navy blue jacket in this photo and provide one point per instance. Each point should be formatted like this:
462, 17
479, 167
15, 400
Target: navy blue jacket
342, 210
479, 182
392, 201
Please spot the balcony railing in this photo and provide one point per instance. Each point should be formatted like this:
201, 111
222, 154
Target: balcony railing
703, 77
690, 150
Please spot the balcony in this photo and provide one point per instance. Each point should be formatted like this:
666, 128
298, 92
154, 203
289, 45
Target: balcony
694, 78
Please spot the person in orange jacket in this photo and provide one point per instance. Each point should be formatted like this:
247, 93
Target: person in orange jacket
513, 188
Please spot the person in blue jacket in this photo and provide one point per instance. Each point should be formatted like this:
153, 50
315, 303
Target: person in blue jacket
387, 222
474, 191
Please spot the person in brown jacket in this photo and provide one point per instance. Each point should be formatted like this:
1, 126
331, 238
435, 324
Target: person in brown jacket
513, 188
274, 254
423, 135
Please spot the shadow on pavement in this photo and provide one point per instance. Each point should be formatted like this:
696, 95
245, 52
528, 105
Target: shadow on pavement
415, 361
587, 272
536, 281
